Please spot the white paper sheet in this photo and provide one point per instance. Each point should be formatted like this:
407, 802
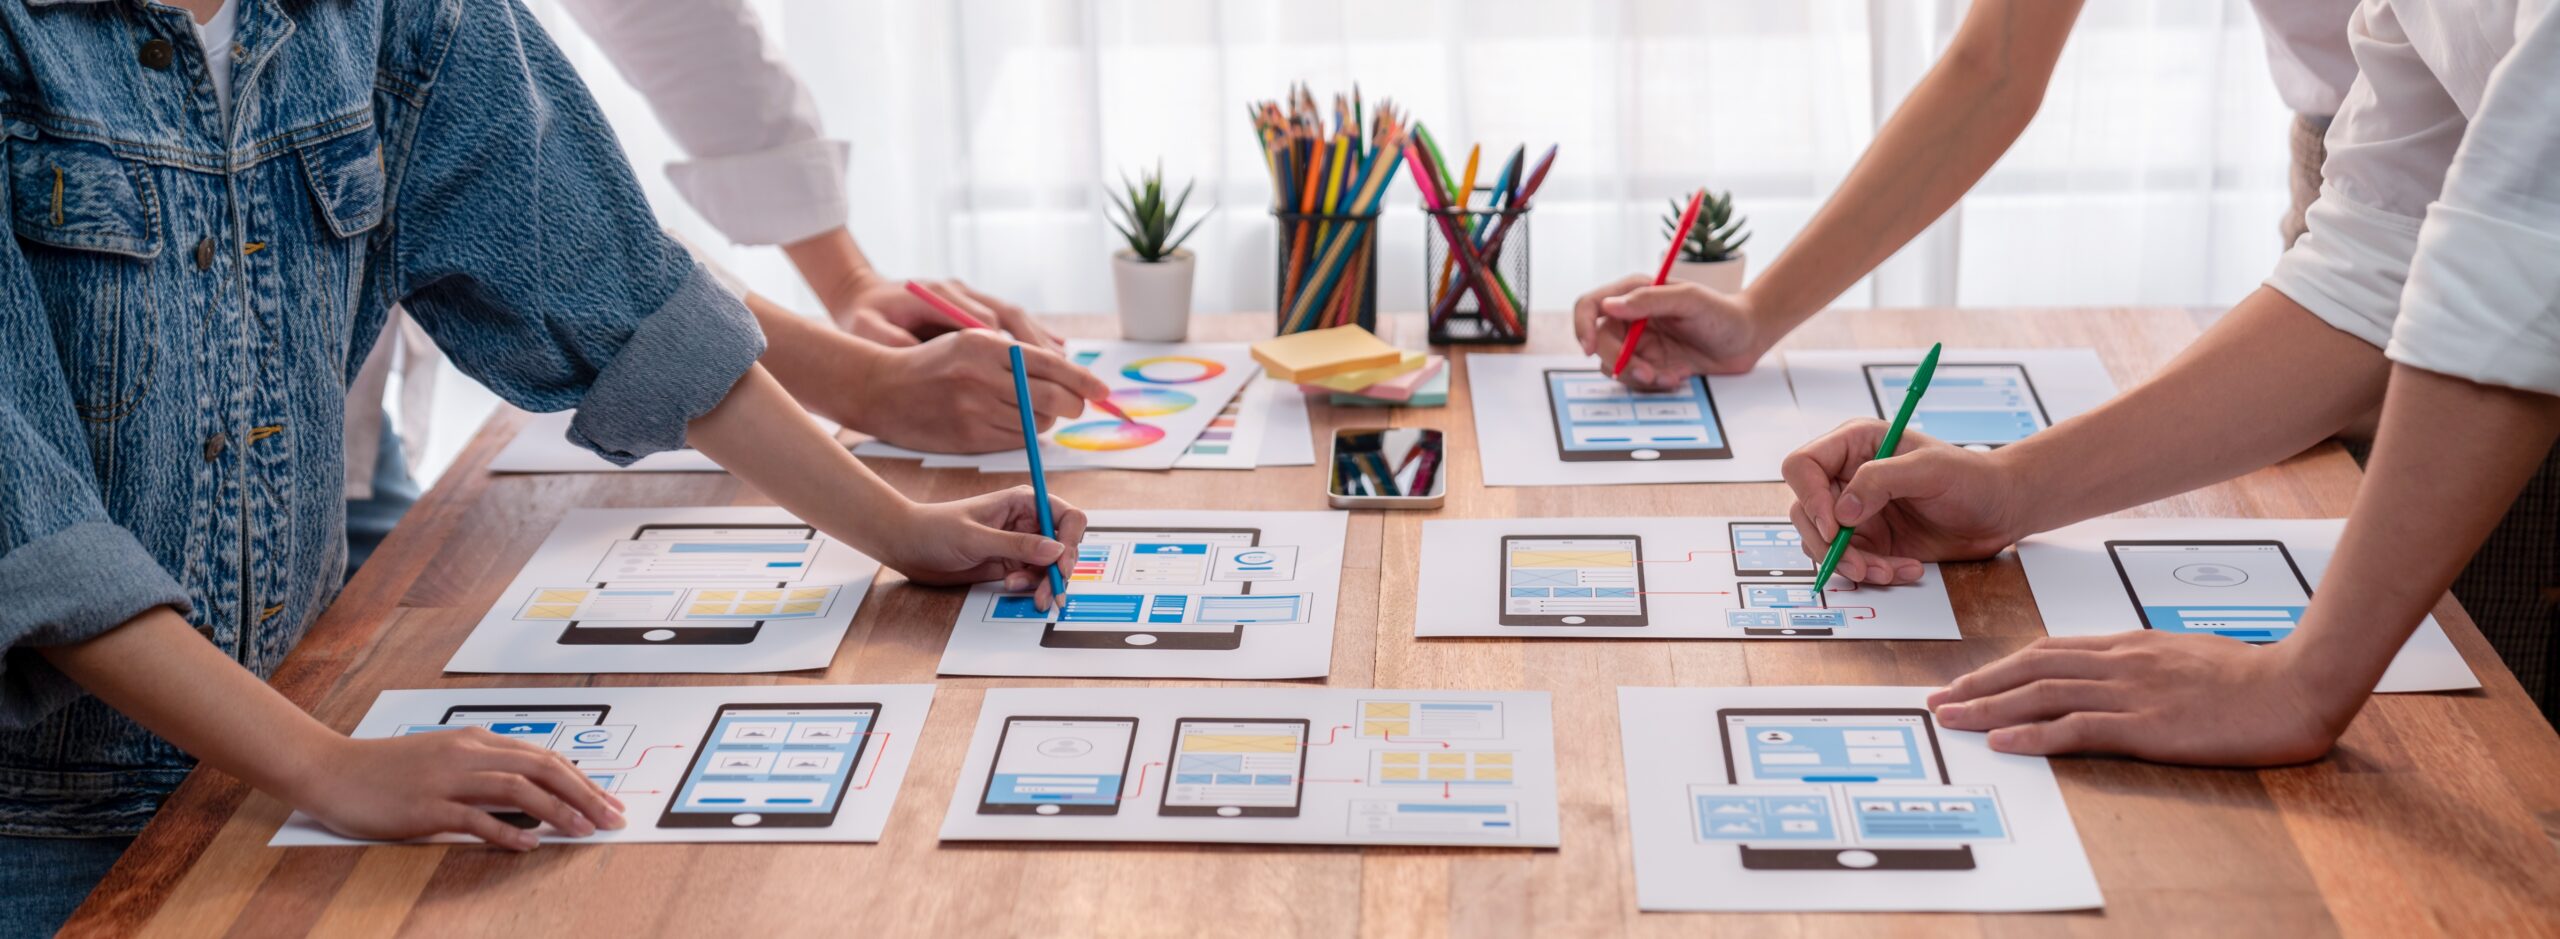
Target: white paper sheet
1158, 594
1516, 427
1290, 440
1654, 578
1173, 390
542, 446
1233, 440
1260, 766
714, 589
1981, 397
2243, 590
1714, 831
842, 748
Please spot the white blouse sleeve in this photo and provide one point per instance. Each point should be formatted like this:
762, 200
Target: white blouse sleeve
2483, 302
760, 169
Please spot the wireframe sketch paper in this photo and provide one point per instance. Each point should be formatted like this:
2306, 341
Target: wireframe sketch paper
1161, 594
2246, 578
1557, 420
1823, 799
714, 589
1979, 398
542, 446
763, 763
1654, 578
1172, 392
1259, 765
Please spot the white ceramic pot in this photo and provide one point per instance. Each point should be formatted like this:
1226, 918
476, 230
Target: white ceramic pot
1155, 298
1721, 276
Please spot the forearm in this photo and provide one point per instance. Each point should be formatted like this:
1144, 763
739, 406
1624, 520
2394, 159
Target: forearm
2450, 458
814, 361
2268, 381
1956, 123
835, 268
763, 436
156, 670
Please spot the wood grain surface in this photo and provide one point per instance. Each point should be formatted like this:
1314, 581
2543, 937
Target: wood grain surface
2434, 816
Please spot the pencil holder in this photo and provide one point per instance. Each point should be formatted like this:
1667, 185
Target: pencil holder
1327, 270
1497, 242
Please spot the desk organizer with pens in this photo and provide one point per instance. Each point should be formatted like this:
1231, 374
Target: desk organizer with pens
1388, 468
1499, 242
1318, 289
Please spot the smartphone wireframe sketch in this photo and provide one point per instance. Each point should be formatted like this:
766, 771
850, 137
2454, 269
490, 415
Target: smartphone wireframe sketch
537, 724
1236, 767
2248, 590
1769, 549
772, 765
1599, 420
1788, 595
1118, 598
1877, 747
1976, 405
1572, 580
660, 562
1059, 766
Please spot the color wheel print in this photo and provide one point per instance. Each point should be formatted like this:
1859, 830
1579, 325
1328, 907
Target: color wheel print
1152, 402
1172, 370
1108, 435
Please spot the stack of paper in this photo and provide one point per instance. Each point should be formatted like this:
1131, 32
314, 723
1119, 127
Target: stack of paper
1400, 389
1326, 353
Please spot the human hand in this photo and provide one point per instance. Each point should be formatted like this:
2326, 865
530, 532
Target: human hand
1930, 502
2164, 697
396, 788
1695, 331
882, 310
954, 394
995, 536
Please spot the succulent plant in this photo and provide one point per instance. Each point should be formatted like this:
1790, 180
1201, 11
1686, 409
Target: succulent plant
1146, 220
1716, 235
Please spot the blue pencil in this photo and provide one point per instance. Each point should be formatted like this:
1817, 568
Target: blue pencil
1031, 448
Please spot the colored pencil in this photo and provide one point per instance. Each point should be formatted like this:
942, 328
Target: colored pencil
1466, 191
1448, 302
1636, 332
1884, 449
1039, 480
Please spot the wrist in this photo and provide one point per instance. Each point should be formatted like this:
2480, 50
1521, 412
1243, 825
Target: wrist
305, 760
2025, 507
835, 269
2332, 686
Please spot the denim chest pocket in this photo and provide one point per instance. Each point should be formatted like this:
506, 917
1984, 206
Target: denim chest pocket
89, 225
345, 173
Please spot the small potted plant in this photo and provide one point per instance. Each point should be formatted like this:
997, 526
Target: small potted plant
1151, 278
1712, 255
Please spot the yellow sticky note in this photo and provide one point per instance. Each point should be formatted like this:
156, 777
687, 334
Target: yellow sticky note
552, 611
707, 609
1448, 772
1354, 381
1323, 353
721, 595
800, 606
1395, 759
1493, 759
1493, 774
559, 595
1380, 709
809, 593
1381, 728
1448, 759
1400, 772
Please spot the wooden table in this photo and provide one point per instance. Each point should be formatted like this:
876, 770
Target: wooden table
2433, 817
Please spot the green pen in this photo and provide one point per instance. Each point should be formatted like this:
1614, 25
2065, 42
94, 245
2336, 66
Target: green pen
1892, 442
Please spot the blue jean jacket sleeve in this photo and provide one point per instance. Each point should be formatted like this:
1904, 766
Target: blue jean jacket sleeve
68, 571
523, 244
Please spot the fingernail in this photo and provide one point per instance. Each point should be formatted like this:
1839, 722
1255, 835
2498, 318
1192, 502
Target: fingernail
583, 828
614, 821
526, 841
1950, 712
2005, 739
1849, 507
1051, 551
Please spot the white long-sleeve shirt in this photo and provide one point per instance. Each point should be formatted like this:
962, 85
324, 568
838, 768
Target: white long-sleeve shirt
759, 166
2437, 231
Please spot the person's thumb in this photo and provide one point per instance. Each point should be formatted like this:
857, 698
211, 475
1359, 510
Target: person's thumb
1879, 482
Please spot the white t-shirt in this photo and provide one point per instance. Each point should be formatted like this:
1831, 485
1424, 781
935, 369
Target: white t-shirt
214, 36
2307, 50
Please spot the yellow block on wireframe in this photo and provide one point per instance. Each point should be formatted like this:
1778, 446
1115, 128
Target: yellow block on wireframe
1324, 353
1355, 381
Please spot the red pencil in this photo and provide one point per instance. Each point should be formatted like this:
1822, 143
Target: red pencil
1687, 218
966, 321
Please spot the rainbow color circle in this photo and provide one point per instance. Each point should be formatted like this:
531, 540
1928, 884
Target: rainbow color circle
1108, 435
1172, 370
1152, 402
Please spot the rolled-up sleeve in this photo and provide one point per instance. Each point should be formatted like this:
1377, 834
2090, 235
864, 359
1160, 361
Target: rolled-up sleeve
69, 573
524, 246
2483, 302
760, 167
2388, 150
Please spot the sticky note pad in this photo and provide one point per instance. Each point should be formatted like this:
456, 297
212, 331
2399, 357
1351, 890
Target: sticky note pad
1324, 353
1431, 393
1368, 377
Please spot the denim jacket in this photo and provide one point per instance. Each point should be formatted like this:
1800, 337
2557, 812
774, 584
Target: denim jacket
189, 291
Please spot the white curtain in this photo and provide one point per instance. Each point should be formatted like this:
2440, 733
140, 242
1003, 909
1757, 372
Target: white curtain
986, 131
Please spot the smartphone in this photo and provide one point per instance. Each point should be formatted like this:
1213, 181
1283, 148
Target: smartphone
2245, 590
537, 724
1769, 549
1572, 580
1236, 767
783, 765
1147, 588
1977, 406
652, 575
1869, 750
1059, 766
1599, 420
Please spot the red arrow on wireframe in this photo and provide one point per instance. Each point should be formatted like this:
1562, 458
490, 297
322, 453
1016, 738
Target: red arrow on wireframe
1142, 778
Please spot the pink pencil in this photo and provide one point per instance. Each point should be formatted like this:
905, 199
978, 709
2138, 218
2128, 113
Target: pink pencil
966, 321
